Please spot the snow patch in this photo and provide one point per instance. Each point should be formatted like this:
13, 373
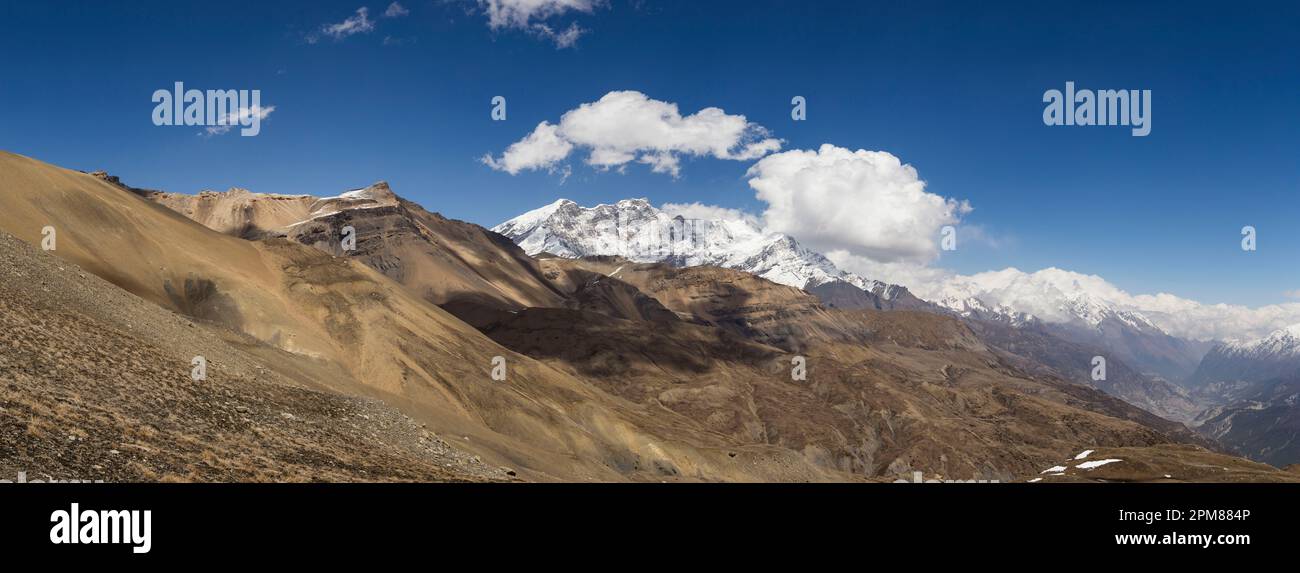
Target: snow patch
1097, 463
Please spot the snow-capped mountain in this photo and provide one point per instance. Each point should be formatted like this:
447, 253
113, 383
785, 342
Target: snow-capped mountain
1283, 343
1081, 308
1276, 356
1050, 295
636, 230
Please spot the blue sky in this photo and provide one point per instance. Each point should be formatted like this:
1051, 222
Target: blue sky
954, 89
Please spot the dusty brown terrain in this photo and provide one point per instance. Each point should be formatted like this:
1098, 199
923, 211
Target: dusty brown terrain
95, 384
441, 259
886, 392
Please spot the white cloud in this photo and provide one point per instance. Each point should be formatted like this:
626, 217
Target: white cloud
395, 10
1191, 319
626, 126
707, 212
530, 16
1054, 295
523, 13
865, 203
543, 148
238, 117
919, 278
357, 24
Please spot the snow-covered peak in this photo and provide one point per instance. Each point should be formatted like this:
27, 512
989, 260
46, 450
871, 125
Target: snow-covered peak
638, 231
1280, 343
379, 191
1051, 295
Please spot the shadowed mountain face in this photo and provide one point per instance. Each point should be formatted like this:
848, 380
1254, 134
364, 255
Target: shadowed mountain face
1262, 424
928, 376
1146, 348
789, 318
840, 294
442, 259
1274, 357
1042, 352
612, 370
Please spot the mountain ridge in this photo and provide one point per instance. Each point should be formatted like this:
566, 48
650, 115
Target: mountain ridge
639, 232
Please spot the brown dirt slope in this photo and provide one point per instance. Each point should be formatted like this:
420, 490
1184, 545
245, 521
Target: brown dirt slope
95, 384
442, 259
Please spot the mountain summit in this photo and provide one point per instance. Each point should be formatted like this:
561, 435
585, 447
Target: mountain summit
638, 231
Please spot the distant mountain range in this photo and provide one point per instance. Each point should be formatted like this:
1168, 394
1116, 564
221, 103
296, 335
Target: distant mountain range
1076, 309
1276, 356
1082, 323
637, 231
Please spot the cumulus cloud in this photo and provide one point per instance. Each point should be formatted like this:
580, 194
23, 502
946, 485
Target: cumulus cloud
531, 16
359, 23
627, 126
920, 278
867, 204
543, 148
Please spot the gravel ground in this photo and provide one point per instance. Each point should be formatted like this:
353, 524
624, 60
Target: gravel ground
95, 384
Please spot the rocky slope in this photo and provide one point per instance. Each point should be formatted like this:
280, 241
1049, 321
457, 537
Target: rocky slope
1044, 352
1262, 423
442, 259
95, 384
1074, 314
890, 392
